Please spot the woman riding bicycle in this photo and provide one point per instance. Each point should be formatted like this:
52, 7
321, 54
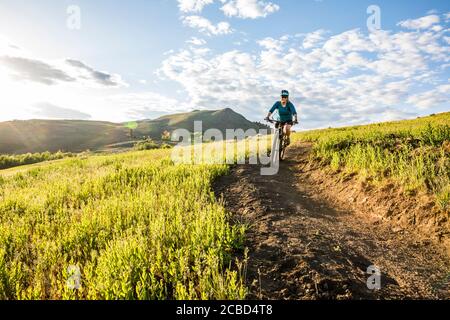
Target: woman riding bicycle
287, 113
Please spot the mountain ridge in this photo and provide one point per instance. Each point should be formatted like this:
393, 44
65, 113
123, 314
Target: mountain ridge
38, 135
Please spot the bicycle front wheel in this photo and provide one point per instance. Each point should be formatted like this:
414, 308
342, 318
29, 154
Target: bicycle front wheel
282, 153
282, 147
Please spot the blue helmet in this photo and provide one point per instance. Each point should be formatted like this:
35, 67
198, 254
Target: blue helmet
285, 93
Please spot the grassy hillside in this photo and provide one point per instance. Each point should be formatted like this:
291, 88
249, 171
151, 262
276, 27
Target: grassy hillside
18, 137
414, 153
132, 226
10, 161
220, 119
135, 225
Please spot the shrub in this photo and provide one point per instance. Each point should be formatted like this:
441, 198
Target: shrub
10, 161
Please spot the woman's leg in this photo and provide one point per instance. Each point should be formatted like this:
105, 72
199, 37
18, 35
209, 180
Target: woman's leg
287, 132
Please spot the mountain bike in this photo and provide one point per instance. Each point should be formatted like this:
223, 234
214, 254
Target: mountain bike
282, 141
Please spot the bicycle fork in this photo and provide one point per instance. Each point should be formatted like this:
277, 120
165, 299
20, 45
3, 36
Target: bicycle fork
274, 156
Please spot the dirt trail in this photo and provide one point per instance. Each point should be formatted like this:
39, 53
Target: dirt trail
301, 247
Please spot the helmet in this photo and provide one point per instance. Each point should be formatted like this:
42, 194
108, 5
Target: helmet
285, 93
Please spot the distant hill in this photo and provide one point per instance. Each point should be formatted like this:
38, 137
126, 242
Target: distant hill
18, 137
218, 119
22, 136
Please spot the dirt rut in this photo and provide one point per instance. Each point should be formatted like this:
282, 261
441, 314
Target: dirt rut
301, 247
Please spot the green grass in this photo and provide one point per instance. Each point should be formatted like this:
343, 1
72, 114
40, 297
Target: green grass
11, 161
149, 144
136, 225
413, 153
139, 226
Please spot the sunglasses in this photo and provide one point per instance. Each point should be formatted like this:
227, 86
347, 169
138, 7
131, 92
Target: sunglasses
284, 97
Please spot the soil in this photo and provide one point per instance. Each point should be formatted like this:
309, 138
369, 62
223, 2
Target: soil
307, 240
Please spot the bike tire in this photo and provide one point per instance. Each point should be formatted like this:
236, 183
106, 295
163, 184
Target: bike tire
282, 153
282, 148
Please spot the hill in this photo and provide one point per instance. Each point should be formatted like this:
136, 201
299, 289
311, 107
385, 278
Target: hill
219, 119
19, 137
24, 136
397, 170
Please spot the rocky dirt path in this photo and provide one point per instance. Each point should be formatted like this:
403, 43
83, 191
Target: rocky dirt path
301, 247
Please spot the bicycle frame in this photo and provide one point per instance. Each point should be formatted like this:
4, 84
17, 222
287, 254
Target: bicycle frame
279, 144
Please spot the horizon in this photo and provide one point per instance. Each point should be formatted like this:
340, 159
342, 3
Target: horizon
295, 128
109, 62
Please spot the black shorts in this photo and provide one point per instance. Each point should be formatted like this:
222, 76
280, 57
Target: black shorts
283, 123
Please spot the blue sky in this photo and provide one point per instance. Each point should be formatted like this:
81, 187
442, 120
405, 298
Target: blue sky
140, 59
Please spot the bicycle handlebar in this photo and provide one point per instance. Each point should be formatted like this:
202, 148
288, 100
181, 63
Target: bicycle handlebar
271, 120
276, 121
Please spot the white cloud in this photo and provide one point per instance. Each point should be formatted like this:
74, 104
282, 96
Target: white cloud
145, 105
352, 40
25, 69
205, 26
85, 72
50, 111
196, 41
193, 5
437, 28
431, 98
248, 9
347, 78
8, 48
245, 9
313, 39
52, 73
33, 86
272, 44
447, 17
20, 65
421, 23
